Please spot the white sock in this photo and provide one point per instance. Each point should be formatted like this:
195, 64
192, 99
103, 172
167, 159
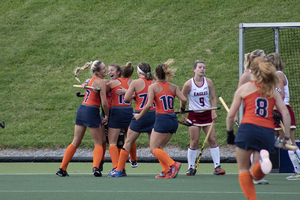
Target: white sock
191, 157
215, 154
294, 160
297, 151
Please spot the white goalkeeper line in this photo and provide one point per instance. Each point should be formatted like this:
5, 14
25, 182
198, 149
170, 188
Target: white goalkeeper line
145, 191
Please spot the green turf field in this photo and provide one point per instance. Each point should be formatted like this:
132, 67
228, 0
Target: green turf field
38, 181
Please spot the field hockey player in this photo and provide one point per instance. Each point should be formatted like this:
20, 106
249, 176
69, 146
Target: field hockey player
138, 88
283, 85
88, 115
163, 94
120, 112
200, 90
256, 132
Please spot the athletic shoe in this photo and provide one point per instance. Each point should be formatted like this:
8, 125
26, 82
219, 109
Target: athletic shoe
96, 172
260, 182
101, 165
124, 172
295, 176
265, 162
163, 175
113, 170
219, 171
134, 164
175, 169
190, 172
115, 173
62, 173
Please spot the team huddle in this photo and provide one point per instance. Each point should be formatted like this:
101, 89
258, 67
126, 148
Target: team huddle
263, 88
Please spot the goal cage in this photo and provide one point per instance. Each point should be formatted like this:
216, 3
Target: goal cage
282, 38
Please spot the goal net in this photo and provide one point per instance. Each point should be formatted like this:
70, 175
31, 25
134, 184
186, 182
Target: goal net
283, 38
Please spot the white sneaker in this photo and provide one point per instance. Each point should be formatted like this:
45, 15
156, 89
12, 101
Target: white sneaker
134, 164
265, 162
295, 176
261, 182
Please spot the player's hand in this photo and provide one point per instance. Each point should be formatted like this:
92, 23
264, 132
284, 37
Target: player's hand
105, 120
136, 116
286, 142
230, 137
214, 116
121, 91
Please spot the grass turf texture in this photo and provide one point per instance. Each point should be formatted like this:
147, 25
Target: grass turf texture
38, 181
41, 43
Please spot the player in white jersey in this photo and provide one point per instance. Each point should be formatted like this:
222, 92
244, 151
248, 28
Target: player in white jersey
283, 84
200, 91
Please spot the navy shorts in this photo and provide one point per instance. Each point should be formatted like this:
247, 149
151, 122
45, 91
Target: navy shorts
88, 116
120, 117
250, 136
144, 124
166, 123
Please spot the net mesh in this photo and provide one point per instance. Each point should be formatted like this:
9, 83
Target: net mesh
289, 50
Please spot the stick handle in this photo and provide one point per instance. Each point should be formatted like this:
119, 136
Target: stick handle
224, 104
77, 86
291, 147
87, 87
203, 145
288, 146
204, 109
227, 109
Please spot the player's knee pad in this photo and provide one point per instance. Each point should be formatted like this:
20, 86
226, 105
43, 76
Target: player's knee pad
120, 140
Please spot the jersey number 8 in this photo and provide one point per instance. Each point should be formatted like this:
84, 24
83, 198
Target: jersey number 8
261, 107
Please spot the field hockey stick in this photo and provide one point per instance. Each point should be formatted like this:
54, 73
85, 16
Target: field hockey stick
204, 109
2, 124
227, 109
88, 87
188, 123
203, 145
79, 95
288, 146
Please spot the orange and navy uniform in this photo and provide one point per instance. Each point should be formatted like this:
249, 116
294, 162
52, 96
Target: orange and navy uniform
142, 96
258, 110
256, 131
164, 104
91, 97
118, 100
164, 100
121, 111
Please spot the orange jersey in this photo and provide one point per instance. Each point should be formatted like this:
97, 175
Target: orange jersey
142, 96
258, 110
91, 97
164, 100
118, 100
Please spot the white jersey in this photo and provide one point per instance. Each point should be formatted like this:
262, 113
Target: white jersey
286, 99
199, 96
